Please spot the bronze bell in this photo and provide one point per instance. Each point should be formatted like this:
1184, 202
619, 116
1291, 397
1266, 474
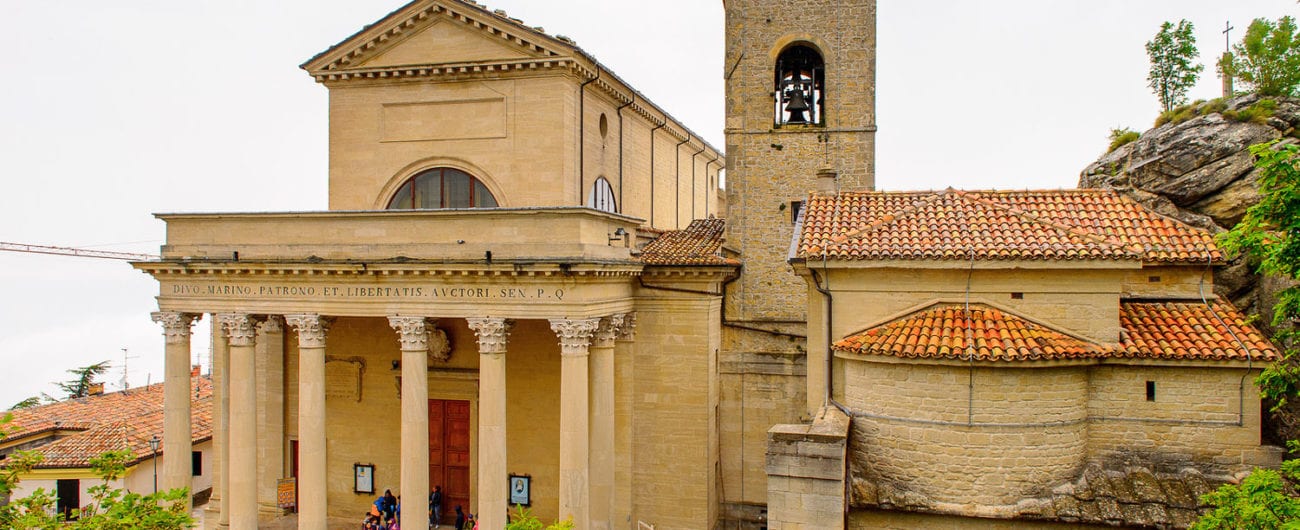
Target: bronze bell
797, 107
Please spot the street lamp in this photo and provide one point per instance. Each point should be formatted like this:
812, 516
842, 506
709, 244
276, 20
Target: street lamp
153, 446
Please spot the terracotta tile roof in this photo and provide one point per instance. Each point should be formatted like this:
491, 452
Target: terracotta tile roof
1151, 330
995, 225
86, 413
1187, 330
699, 244
76, 451
945, 331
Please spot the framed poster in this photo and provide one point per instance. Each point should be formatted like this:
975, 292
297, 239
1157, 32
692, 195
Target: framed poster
363, 478
521, 490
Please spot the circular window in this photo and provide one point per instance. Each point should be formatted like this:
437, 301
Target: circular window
604, 126
442, 187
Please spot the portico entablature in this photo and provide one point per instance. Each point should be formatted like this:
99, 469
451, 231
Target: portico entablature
369, 291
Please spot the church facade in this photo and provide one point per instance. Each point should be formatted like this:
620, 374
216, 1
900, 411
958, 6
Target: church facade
524, 292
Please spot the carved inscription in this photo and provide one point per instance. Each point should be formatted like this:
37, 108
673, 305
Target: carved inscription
331, 292
343, 378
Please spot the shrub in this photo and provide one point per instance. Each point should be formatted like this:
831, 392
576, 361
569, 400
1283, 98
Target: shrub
1122, 137
1258, 113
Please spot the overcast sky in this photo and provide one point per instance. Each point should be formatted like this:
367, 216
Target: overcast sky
112, 111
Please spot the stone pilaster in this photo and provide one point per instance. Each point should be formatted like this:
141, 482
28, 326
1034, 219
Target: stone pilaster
575, 340
601, 373
312, 507
241, 333
218, 512
177, 439
414, 336
492, 334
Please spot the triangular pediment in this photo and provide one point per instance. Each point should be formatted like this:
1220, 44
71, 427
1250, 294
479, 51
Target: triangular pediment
443, 42
433, 32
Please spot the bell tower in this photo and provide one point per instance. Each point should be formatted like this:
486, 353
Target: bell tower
800, 78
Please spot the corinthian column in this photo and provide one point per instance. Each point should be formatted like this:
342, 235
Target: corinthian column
177, 439
602, 421
311, 419
241, 332
492, 336
575, 339
414, 333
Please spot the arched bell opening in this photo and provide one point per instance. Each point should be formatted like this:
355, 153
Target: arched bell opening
800, 91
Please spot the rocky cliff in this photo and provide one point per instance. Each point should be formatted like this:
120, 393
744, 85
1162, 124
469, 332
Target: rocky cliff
1197, 169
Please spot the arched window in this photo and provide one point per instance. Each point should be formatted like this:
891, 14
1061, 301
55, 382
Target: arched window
602, 196
800, 86
442, 187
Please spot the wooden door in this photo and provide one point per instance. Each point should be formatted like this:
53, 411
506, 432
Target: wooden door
449, 454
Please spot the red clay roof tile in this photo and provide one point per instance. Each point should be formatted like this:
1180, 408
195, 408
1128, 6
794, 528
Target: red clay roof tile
699, 244
995, 225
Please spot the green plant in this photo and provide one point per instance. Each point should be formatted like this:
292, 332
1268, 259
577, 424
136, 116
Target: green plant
522, 519
1173, 68
1258, 113
1268, 57
1176, 115
1269, 235
1212, 106
1122, 136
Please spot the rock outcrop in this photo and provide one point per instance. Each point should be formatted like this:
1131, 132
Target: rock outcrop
1201, 172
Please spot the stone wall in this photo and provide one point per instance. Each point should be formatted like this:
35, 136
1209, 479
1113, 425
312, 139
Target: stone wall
957, 436
806, 473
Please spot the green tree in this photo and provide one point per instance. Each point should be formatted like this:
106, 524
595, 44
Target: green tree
79, 387
1268, 57
1269, 235
1174, 68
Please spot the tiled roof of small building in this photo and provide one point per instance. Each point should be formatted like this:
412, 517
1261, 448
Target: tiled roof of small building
89, 412
1151, 330
995, 225
1188, 330
945, 332
133, 435
699, 244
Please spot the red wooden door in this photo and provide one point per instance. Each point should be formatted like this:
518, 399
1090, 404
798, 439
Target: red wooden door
449, 454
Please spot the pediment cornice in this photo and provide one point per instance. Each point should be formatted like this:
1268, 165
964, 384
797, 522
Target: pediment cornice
420, 14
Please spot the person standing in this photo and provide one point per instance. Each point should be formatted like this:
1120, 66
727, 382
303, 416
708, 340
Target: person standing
435, 507
460, 518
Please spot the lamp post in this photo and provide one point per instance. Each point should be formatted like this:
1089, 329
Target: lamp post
153, 446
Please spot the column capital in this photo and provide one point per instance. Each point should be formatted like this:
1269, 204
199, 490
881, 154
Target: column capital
413, 331
574, 334
311, 329
176, 325
607, 331
272, 324
240, 328
628, 330
492, 333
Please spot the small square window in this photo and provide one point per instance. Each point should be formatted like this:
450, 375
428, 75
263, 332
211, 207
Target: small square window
196, 463
1017, 296
795, 208
1153, 279
1151, 390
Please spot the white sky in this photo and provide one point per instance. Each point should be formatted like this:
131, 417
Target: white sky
111, 111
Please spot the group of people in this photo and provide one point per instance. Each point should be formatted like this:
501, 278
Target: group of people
386, 512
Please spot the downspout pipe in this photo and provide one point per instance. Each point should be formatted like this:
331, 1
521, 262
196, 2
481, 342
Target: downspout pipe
703, 147
620, 150
652, 169
707, 187
582, 134
677, 161
830, 354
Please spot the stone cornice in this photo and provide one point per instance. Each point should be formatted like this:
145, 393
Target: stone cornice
308, 269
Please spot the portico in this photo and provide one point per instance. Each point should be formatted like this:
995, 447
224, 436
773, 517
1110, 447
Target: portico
531, 344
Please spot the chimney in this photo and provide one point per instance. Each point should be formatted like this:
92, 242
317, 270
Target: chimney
196, 370
826, 183
96, 389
